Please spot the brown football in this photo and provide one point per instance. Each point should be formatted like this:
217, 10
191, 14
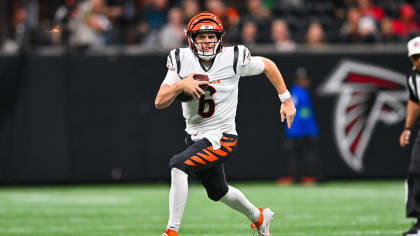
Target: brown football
201, 77
185, 97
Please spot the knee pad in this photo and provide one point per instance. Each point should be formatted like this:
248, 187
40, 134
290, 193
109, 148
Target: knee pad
215, 191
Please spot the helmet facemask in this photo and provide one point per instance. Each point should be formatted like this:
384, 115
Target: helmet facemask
203, 54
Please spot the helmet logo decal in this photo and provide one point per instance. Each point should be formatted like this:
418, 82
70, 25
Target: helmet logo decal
205, 27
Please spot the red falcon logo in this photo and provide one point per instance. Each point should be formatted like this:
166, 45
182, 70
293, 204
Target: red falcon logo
367, 94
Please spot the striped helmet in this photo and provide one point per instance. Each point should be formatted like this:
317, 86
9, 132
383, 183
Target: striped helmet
205, 22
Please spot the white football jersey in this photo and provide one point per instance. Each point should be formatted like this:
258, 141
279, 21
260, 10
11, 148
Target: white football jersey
214, 113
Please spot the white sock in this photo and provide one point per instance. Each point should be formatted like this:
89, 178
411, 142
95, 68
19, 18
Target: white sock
237, 200
177, 198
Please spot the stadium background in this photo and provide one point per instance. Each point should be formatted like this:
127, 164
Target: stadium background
78, 124
78, 80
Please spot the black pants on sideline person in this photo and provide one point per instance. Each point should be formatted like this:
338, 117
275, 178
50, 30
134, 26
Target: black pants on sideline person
304, 160
413, 181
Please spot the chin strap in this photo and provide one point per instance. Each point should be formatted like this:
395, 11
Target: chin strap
203, 55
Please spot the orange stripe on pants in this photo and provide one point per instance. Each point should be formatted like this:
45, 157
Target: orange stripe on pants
219, 151
228, 145
189, 162
199, 160
209, 157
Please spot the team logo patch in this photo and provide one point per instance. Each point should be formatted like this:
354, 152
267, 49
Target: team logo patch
367, 94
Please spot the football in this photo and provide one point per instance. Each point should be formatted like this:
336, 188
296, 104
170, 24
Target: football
185, 97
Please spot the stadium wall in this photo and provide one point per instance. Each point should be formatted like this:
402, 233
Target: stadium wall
91, 118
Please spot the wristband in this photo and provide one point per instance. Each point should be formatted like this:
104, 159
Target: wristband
407, 128
285, 96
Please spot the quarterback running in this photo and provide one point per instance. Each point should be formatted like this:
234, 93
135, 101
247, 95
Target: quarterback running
209, 108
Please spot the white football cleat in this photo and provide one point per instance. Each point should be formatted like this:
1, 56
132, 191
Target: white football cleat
263, 222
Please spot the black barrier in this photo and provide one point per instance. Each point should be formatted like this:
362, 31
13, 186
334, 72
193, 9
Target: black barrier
92, 119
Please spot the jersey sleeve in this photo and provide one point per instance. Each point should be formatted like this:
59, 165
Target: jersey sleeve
411, 88
171, 61
171, 78
249, 65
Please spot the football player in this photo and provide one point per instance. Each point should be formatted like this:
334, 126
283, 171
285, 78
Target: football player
210, 116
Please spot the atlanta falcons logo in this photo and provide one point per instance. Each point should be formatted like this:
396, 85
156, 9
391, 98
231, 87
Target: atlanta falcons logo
367, 94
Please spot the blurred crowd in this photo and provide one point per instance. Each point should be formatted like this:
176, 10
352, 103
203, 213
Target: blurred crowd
160, 24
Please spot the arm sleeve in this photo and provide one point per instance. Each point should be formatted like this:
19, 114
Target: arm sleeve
171, 76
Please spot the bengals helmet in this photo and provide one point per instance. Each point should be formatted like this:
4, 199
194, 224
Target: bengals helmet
205, 22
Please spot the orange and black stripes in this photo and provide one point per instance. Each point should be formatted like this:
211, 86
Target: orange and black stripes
208, 155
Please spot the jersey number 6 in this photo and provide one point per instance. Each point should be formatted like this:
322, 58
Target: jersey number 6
210, 102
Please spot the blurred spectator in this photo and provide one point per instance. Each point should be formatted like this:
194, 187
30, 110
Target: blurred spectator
406, 25
259, 14
19, 27
228, 15
350, 29
19, 37
367, 30
172, 34
216, 7
191, 7
280, 36
233, 20
27, 29
61, 31
341, 7
89, 24
366, 8
124, 21
257, 10
315, 35
387, 32
155, 13
152, 17
103, 22
287, 4
249, 33
357, 29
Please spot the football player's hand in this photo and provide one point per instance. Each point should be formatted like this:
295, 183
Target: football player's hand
288, 111
191, 86
405, 137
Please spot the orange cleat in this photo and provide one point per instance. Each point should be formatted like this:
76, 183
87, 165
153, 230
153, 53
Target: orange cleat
263, 222
170, 232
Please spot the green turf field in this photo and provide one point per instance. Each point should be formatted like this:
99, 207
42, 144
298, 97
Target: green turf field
336, 208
